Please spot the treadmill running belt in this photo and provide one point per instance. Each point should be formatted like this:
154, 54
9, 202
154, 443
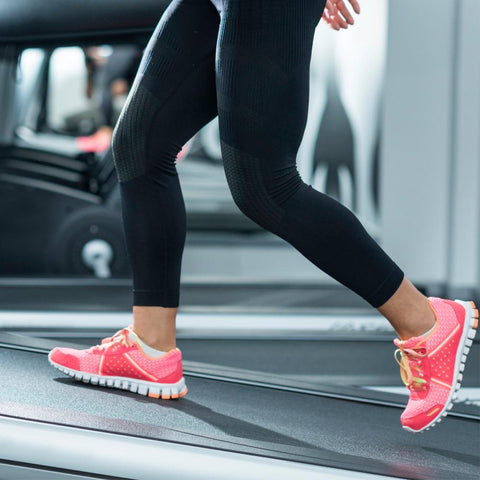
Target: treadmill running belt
256, 420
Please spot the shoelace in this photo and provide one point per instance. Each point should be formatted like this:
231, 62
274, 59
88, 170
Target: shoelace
109, 339
121, 337
411, 357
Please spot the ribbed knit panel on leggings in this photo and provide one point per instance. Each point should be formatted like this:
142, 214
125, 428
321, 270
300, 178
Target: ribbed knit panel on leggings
246, 61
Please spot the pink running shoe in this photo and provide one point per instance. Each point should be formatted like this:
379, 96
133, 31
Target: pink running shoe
431, 366
119, 362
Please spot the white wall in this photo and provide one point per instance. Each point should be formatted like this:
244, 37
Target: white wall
417, 136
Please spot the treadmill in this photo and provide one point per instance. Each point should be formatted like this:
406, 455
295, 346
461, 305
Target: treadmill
279, 395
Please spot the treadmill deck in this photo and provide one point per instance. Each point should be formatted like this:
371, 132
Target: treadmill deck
234, 416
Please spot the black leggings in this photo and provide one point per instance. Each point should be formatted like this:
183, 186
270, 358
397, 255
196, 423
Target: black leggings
246, 61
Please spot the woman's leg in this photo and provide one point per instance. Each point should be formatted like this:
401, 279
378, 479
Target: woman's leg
262, 94
173, 96
408, 311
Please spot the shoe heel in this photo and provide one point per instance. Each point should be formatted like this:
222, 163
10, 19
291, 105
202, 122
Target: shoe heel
474, 315
167, 392
471, 319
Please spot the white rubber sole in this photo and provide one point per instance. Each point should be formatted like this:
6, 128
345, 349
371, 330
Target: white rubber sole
164, 391
469, 330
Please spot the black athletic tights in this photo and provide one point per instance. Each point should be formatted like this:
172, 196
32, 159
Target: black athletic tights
246, 61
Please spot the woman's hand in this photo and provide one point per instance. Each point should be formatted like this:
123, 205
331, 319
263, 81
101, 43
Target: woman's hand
337, 15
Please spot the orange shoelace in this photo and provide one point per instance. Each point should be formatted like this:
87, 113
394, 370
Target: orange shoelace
411, 358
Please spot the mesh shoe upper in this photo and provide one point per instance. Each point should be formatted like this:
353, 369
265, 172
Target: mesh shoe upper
121, 357
428, 365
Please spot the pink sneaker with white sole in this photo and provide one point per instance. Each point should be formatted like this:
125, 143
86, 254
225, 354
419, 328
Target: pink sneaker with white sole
120, 362
431, 367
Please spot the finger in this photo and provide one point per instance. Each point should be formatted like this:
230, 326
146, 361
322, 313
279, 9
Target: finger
345, 12
330, 15
326, 10
334, 23
340, 21
329, 8
331, 22
355, 5
326, 19
337, 17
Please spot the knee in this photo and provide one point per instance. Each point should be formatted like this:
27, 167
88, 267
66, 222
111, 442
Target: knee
257, 192
142, 141
127, 146
254, 203
120, 140
131, 134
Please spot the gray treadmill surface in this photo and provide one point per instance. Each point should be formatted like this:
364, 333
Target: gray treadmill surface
249, 419
360, 361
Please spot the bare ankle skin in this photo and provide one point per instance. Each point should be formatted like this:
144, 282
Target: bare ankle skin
408, 311
155, 326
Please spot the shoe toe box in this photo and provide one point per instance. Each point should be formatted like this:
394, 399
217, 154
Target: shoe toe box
66, 357
421, 420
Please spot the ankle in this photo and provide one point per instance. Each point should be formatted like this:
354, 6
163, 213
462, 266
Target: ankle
161, 346
155, 341
423, 326
155, 326
414, 320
